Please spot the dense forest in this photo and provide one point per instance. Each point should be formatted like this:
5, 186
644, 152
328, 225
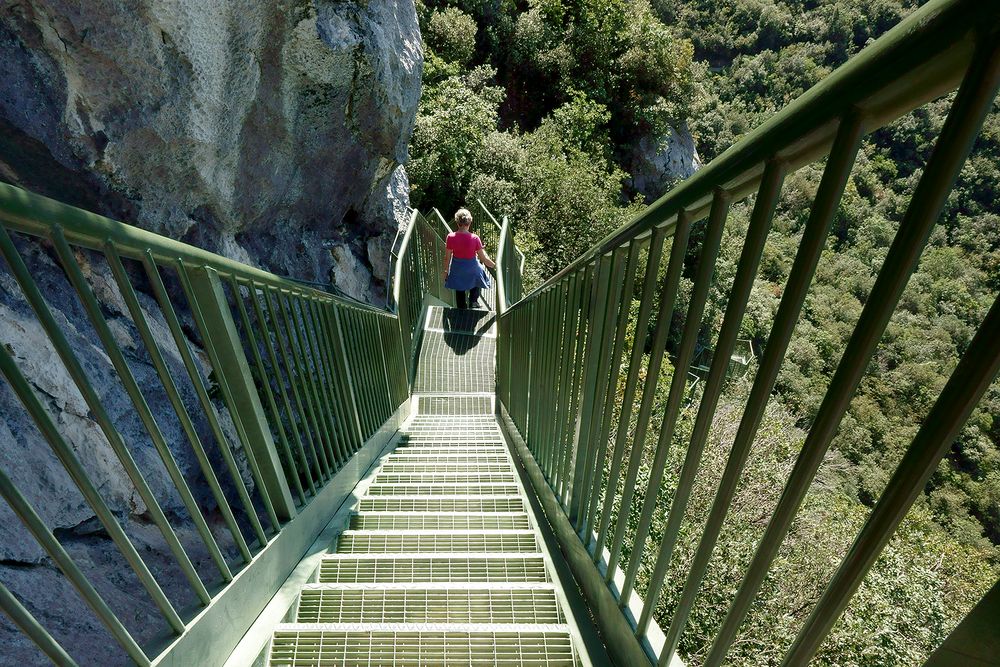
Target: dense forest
535, 107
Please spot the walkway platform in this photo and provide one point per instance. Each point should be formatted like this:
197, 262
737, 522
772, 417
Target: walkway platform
443, 561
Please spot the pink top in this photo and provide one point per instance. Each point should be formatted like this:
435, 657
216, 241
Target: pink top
465, 245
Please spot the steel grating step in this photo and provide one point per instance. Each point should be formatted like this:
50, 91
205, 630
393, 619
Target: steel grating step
439, 504
452, 449
414, 457
505, 477
440, 604
315, 645
443, 490
446, 466
417, 568
351, 541
450, 521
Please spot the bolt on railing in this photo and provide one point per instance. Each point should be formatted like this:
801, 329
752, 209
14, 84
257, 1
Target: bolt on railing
563, 349
274, 386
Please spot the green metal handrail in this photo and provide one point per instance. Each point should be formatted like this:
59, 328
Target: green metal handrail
490, 234
419, 273
509, 268
304, 377
562, 349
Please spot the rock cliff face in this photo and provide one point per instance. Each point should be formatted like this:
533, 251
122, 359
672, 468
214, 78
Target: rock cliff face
657, 163
256, 129
270, 132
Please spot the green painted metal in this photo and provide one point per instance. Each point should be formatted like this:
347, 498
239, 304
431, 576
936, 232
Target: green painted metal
173, 395
653, 256
264, 379
218, 331
111, 347
975, 97
69, 459
30, 626
814, 238
584, 307
332, 371
208, 409
306, 379
24, 510
975, 373
760, 225
610, 391
668, 296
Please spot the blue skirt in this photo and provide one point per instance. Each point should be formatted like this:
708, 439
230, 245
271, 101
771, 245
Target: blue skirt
466, 274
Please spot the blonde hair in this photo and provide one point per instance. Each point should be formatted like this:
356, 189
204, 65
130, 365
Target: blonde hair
463, 217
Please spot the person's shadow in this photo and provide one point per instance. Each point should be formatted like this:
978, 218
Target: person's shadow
463, 329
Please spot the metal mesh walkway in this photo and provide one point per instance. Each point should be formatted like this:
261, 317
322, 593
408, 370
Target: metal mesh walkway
442, 562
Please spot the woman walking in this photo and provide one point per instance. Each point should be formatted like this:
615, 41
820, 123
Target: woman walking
462, 270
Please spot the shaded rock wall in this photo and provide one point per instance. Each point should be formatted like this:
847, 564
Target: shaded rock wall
270, 132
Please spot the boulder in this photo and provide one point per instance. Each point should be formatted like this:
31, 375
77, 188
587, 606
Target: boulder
656, 163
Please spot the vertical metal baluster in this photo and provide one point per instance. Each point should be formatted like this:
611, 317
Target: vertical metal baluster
599, 343
306, 470
350, 338
228, 395
556, 352
48, 542
293, 383
581, 445
315, 360
304, 373
29, 625
159, 363
20, 506
973, 102
324, 363
265, 380
838, 169
605, 370
753, 247
124, 372
346, 384
668, 297
375, 324
654, 255
966, 386
365, 369
180, 341
678, 382
624, 309
65, 454
583, 289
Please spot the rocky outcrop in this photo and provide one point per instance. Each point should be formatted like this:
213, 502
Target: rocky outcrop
656, 163
270, 132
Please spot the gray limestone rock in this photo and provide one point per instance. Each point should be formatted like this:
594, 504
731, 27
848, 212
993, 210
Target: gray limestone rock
658, 162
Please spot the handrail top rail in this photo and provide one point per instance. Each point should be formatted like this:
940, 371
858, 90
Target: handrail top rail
918, 60
34, 214
398, 277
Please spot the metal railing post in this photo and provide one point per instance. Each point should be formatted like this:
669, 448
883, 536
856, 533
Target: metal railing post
234, 369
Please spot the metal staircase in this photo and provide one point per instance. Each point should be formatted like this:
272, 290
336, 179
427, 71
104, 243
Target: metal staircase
442, 561
348, 478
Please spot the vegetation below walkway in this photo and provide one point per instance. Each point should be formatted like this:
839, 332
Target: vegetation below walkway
530, 106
